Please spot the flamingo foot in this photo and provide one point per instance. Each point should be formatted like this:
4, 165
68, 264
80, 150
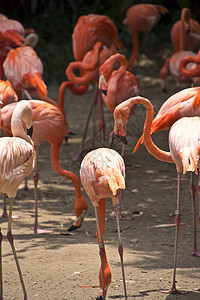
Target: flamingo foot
38, 230
173, 290
78, 222
99, 297
121, 217
195, 253
5, 215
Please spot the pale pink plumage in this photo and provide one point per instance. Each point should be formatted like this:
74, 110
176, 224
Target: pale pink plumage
17, 159
102, 174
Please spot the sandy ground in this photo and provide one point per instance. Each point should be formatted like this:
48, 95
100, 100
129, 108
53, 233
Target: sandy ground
64, 266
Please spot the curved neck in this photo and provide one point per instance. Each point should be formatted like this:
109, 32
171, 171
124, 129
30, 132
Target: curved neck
55, 149
115, 77
194, 72
87, 69
151, 147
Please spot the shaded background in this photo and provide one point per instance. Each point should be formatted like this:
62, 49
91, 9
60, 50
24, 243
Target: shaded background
54, 21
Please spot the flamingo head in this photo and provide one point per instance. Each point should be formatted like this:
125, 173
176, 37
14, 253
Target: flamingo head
120, 118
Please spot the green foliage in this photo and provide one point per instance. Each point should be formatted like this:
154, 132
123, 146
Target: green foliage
54, 22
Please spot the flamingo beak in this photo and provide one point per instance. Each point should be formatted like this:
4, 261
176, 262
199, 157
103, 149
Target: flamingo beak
102, 80
119, 130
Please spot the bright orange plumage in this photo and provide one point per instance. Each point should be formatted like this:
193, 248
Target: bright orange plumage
24, 70
119, 83
94, 28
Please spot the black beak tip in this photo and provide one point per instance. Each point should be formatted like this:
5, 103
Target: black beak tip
103, 91
30, 131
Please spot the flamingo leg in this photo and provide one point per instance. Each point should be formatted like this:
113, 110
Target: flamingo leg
120, 250
1, 272
101, 249
10, 239
193, 191
36, 228
4, 214
173, 289
199, 198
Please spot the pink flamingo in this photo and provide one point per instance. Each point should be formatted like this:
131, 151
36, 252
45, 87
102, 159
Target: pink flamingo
24, 69
187, 26
49, 125
102, 175
142, 18
12, 35
184, 152
17, 157
172, 64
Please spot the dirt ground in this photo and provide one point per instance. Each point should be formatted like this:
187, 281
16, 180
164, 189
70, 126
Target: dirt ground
65, 266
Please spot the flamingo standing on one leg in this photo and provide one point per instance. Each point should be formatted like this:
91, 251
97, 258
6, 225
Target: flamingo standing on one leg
49, 125
102, 174
184, 152
142, 18
187, 26
17, 157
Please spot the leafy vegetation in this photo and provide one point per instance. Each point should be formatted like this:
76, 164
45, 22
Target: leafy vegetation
54, 22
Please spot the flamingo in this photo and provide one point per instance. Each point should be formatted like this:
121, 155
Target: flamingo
11, 35
190, 28
24, 69
116, 86
94, 38
142, 18
185, 103
17, 157
184, 152
172, 64
119, 84
102, 174
93, 28
49, 125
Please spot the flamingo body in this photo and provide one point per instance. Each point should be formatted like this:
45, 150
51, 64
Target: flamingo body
24, 69
94, 28
185, 151
187, 26
142, 18
185, 103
